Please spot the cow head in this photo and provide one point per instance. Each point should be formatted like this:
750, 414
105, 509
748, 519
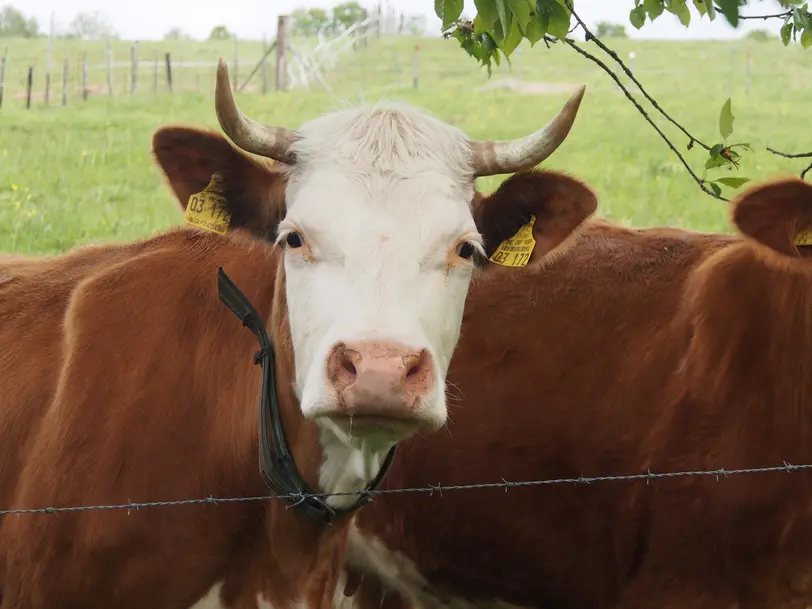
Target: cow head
374, 209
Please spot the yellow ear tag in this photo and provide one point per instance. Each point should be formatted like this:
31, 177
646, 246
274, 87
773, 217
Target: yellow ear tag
804, 238
516, 251
208, 209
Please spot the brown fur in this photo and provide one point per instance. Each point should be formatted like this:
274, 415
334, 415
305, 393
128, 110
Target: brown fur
123, 378
654, 349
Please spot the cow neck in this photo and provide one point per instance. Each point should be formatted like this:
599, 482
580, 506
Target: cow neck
276, 464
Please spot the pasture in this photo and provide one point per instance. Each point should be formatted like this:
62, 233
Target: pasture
83, 172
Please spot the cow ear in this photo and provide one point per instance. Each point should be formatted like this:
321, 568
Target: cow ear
254, 191
777, 215
559, 203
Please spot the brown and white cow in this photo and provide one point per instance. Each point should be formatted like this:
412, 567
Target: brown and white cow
124, 379
633, 350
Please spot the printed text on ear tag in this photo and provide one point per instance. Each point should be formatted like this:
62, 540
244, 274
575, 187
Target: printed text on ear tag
208, 209
804, 238
516, 250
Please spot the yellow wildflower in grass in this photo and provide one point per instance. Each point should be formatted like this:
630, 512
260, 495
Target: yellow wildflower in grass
15, 188
17, 204
5, 151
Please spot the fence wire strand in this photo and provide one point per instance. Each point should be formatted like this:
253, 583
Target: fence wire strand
439, 489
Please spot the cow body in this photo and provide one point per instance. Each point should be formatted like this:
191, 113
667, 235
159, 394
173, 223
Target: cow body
129, 381
634, 350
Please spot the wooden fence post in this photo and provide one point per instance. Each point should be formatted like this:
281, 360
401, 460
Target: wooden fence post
155, 76
415, 66
281, 58
264, 64
65, 83
133, 67
84, 77
109, 68
236, 64
169, 71
3, 75
29, 87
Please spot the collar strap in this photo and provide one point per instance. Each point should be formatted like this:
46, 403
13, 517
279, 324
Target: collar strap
276, 464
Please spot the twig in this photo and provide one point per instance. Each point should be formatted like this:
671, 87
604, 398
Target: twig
589, 36
763, 17
794, 155
791, 155
640, 109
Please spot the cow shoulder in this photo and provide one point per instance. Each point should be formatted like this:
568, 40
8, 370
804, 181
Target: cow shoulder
254, 189
559, 203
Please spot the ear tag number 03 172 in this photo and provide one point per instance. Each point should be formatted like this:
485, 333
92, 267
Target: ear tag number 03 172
516, 250
208, 209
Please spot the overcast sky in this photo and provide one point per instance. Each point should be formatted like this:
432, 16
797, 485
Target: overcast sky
151, 19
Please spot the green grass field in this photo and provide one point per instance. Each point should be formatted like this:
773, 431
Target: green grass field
84, 172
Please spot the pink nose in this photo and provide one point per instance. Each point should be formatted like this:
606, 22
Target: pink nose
379, 378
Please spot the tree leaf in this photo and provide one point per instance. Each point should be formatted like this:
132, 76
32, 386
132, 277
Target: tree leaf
730, 9
486, 9
512, 40
715, 188
806, 38
559, 20
654, 8
535, 29
733, 182
726, 120
637, 16
448, 11
521, 10
786, 33
504, 17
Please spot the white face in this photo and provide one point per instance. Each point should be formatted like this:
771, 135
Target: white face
378, 240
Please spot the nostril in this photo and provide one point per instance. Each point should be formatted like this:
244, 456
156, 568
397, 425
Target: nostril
341, 367
418, 373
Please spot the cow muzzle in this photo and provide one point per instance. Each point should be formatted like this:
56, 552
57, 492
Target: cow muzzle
380, 386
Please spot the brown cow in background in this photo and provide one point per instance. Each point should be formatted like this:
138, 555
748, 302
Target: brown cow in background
633, 350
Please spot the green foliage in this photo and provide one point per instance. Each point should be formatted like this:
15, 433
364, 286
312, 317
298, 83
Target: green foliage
14, 24
605, 29
347, 13
722, 155
219, 32
308, 22
501, 25
759, 35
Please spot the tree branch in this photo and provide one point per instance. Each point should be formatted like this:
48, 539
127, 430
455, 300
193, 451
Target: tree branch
589, 36
795, 155
640, 109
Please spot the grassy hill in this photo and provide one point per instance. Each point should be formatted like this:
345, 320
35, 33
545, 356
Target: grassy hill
83, 172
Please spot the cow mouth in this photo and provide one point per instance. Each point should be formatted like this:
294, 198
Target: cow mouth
390, 428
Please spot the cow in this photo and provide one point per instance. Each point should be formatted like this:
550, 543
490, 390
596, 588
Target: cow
125, 381
633, 351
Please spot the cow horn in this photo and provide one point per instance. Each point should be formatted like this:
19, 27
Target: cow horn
264, 140
494, 157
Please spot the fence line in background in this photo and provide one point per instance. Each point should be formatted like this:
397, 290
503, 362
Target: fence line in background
294, 66
431, 489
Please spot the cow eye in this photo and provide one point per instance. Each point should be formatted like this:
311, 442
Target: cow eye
466, 250
293, 240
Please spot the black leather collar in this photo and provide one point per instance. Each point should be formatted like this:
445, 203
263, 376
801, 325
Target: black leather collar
276, 463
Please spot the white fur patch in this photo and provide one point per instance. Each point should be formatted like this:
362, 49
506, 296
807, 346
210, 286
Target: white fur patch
212, 599
399, 573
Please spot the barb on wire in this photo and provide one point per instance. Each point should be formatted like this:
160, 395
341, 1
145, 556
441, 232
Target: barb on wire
795, 155
431, 489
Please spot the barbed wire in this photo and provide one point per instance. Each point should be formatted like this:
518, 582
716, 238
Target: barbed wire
431, 489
